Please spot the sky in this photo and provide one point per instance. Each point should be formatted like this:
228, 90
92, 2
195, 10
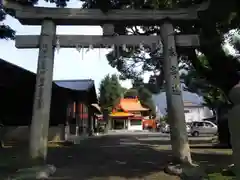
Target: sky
69, 63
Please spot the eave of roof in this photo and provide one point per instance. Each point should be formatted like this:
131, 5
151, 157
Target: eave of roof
77, 85
121, 114
97, 107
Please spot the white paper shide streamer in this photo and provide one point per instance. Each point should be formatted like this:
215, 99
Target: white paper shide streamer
58, 46
78, 48
113, 48
141, 46
124, 47
90, 48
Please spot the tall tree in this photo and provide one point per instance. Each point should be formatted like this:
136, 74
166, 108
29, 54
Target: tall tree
213, 96
110, 91
144, 96
6, 32
110, 94
131, 93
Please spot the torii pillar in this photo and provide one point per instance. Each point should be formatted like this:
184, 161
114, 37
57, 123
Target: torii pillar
43, 92
175, 106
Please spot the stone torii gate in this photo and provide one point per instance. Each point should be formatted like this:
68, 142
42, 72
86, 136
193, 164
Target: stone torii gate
48, 18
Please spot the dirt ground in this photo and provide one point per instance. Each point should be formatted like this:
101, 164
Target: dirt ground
118, 157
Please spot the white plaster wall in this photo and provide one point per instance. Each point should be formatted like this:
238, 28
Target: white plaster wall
206, 113
193, 114
197, 113
134, 127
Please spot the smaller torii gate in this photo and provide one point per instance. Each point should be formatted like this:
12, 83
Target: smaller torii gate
48, 18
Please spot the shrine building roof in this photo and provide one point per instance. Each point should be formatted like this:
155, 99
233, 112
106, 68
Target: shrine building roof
131, 105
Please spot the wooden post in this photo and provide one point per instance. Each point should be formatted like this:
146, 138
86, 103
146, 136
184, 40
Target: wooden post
62, 129
106, 119
179, 138
90, 120
78, 119
68, 115
43, 91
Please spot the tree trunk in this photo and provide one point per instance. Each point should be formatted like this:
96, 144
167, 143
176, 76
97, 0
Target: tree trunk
1, 137
179, 137
223, 132
234, 126
223, 129
106, 119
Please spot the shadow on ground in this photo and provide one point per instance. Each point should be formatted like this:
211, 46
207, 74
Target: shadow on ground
212, 158
165, 140
113, 157
12, 158
106, 158
122, 157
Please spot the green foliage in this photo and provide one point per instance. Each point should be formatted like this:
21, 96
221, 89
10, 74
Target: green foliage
164, 119
124, 90
213, 96
131, 93
219, 176
144, 95
110, 92
5, 31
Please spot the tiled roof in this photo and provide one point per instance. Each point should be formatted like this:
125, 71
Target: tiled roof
131, 105
79, 85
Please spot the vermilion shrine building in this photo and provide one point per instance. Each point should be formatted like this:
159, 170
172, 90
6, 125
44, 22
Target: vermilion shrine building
128, 114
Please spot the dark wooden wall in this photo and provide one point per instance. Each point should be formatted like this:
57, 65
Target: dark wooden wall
17, 87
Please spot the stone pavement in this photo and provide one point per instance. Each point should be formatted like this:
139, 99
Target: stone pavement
116, 157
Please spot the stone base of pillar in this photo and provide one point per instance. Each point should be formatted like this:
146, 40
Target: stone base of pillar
36, 172
186, 172
57, 134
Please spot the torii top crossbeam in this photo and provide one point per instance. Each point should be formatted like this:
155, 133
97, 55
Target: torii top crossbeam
70, 16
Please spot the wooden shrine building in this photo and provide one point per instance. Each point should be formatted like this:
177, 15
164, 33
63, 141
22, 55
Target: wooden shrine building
17, 86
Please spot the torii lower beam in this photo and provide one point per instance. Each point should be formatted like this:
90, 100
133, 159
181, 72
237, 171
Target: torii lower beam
71, 41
